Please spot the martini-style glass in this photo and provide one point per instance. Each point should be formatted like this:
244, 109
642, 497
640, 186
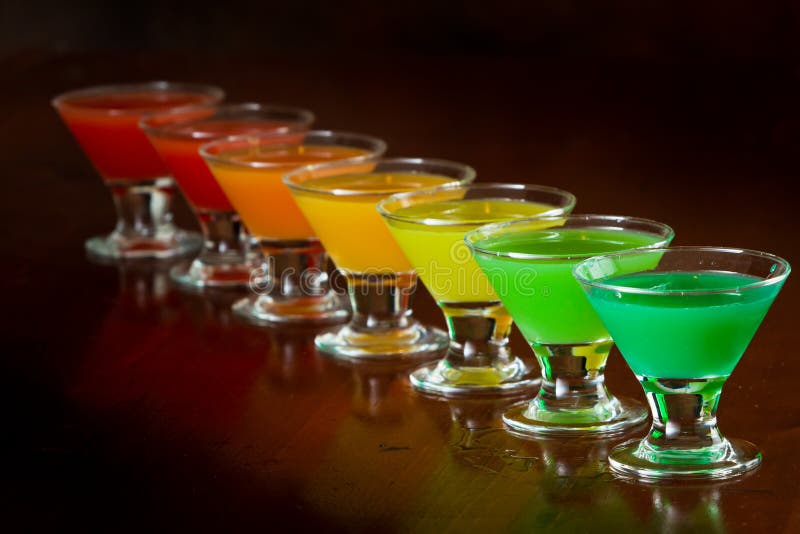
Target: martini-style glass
225, 259
292, 286
429, 226
105, 121
682, 319
340, 206
529, 263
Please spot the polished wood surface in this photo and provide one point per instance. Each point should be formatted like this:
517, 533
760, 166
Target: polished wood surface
130, 405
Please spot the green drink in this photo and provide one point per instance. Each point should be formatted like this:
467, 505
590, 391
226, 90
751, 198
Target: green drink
540, 293
715, 328
682, 319
529, 263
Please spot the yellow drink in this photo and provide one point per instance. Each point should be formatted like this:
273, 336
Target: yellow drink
432, 237
341, 210
341, 206
251, 178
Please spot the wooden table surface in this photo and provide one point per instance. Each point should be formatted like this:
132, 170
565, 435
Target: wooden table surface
129, 405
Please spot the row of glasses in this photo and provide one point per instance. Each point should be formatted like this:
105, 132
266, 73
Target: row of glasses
142, 138
575, 284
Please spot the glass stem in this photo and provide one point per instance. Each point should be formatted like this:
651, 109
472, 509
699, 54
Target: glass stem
380, 302
478, 334
573, 383
225, 238
684, 420
292, 270
143, 209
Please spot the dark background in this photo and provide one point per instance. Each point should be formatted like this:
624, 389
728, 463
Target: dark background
641, 68
643, 30
641, 95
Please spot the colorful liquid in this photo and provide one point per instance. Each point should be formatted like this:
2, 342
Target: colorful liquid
674, 335
178, 146
432, 237
544, 299
257, 192
350, 227
107, 128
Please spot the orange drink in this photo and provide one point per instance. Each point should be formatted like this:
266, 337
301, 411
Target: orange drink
341, 210
251, 178
293, 284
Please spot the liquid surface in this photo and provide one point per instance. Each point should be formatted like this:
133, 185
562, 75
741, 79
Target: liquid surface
144, 101
434, 243
680, 282
544, 299
211, 128
683, 335
348, 223
381, 185
261, 198
115, 144
292, 156
470, 212
569, 242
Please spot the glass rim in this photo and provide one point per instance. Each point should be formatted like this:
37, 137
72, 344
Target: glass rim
61, 101
381, 206
469, 172
305, 118
471, 237
763, 282
255, 140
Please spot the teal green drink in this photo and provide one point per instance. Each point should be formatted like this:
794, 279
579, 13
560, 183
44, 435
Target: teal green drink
682, 323
677, 334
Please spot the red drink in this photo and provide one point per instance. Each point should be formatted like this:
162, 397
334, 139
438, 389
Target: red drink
106, 124
177, 138
225, 259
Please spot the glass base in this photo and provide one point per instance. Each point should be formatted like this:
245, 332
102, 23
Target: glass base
449, 380
401, 343
111, 247
328, 309
635, 459
199, 275
628, 414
